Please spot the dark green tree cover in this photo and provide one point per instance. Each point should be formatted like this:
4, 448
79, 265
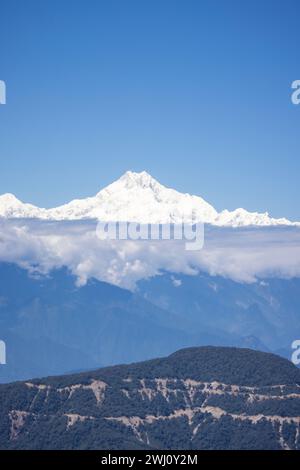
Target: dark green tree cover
184, 401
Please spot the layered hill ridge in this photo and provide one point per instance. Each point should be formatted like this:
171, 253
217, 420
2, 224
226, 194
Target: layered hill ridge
197, 398
140, 198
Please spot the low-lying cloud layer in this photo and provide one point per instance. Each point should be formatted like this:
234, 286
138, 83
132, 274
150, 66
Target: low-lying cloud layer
243, 255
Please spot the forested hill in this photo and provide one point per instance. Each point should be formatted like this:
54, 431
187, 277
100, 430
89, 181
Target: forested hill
197, 398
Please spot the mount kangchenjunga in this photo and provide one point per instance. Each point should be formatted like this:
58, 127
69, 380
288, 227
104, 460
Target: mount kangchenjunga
140, 198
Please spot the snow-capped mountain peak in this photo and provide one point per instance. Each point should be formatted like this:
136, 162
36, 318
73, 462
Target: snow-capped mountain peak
140, 198
11, 207
142, 179
9, 198
132, 180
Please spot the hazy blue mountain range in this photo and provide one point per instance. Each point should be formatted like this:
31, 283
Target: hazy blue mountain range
197, 398
51, 326
267, 310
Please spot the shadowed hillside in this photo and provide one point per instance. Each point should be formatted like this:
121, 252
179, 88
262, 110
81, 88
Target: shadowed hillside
197, 398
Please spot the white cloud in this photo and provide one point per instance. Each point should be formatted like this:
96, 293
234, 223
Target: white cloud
176, 282
240, 254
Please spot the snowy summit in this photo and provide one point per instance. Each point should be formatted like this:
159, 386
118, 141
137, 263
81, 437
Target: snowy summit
139, 197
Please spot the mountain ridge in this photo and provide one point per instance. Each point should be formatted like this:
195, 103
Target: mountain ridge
50, 325
196, 398
138, 197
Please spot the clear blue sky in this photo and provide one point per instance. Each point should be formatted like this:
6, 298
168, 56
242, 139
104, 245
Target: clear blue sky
195, 92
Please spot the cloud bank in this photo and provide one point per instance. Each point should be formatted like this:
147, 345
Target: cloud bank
242, 254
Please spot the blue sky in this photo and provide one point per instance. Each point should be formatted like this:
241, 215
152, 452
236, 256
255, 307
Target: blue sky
195, 92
